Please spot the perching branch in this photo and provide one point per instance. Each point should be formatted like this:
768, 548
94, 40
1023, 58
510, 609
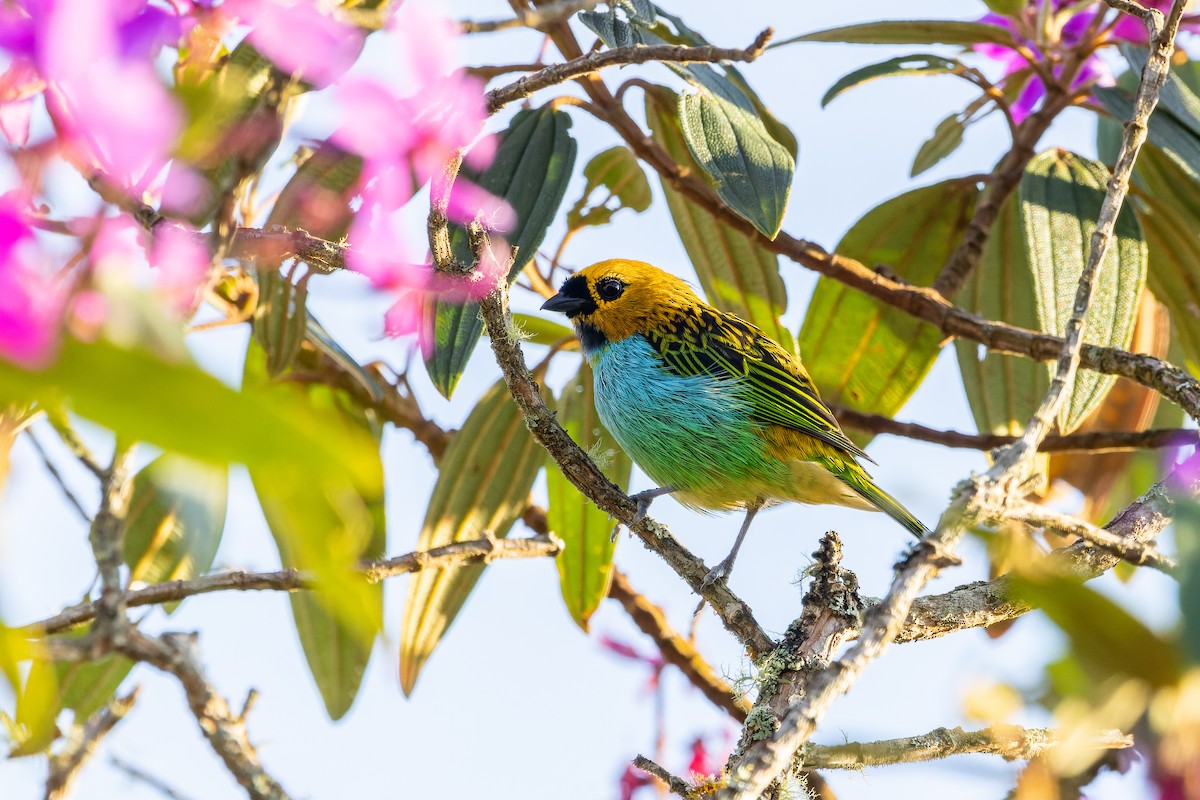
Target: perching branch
978, 498
456, 554
620, 56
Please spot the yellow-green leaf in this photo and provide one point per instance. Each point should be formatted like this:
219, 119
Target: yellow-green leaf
911, 31
618, 170
586, 561
85, 687
538, 330
483, 485
176, 515
736, 271
1061, 194
862, 353
1003, 390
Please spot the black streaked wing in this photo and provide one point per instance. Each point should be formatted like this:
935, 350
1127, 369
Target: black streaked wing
709, 342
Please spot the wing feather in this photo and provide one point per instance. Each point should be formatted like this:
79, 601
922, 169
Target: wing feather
709, 342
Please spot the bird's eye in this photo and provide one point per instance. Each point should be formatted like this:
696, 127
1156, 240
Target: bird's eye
609, 289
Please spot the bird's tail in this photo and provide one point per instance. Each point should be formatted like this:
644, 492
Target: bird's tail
854, 476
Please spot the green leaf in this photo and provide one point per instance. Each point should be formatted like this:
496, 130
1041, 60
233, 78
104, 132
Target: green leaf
85, 687
911, 31
1163, 130
1008, 8
946, 138
748, 156
537, 330
531, 170
31, 728
317, 196
1187, 543
1169, 212
862, 353
1003, 390
736, 271
1104, 636
175, 519
327, 525
280, 317
751, 171
483, 485
179, 407
916, 64
618, 170
586, 561
1061, 194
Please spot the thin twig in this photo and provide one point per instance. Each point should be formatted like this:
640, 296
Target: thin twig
455, 554
538, 18
676, 650
65, 765
1010, 742
58, 477
154, 782
675, 784
620, 56
1138, 553
1092, 441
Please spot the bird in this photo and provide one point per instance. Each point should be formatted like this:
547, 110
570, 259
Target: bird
714, 411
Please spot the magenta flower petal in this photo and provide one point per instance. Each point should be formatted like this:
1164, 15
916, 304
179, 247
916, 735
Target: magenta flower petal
299, 38
183, 262
469, 202
1030, 96
31, 302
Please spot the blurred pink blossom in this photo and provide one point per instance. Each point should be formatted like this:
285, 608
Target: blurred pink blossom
182, 261
31, 301
405, 141
299, 38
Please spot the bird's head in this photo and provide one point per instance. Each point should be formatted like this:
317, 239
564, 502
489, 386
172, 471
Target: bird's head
615, 299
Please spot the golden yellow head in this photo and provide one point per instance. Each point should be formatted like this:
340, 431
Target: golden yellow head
615, 299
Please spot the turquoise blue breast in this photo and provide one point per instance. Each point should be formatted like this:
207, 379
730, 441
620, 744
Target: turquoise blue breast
691, 433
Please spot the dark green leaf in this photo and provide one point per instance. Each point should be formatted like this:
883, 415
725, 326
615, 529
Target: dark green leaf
1164, 130
1104, 636
175, 519
1003, 390
736, 270
862, 353
751, 171
531, 170
586, 561
317, 197
483, 485
280, 318
916, 64
618, 170
1061, 195
911, 31
946, 138
144, 398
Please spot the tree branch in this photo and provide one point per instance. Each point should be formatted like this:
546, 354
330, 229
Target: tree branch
537, 19
1093, 441
593, 62
1010, 742
65, 765
456, 554
1137, 553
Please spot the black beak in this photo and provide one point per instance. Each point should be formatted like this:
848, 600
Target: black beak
565, 304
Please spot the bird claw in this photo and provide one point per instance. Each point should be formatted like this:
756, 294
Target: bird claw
643, 500
717, 574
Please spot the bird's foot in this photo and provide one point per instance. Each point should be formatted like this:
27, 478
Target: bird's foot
643, 500
718, 573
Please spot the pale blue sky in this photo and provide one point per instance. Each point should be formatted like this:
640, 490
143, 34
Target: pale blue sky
517, 702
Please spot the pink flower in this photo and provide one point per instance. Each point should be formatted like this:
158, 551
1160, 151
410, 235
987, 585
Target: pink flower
299, 38
31, 301
182, 261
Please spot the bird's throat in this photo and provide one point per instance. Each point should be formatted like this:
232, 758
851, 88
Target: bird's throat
590, 338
